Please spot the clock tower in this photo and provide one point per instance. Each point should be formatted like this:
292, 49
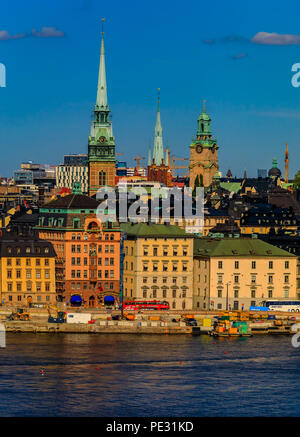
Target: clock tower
101, 145
203, 153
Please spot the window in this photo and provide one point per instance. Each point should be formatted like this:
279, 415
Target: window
236, 264
253, 279
145, 252
165, 267
253, 303
102, 178
155, 251
28, 274
9, 286
252, 293
73, 273
28, 261
270, 293
165, 252
47, 274
155, 267
220, 279
18, 274
236, 279
286, 279
38, 274
19, 298
174, 268
164, 293
175, 252
270, 279
286, 293
236, 293
154, 293
9, 261
286, 264
184, 267
73, 248
46, 261
270, 264
253, 264
18, 262
37, 262
220, 264
219, 293
174, 293
38, 287
19, 286
144, 294
235, 304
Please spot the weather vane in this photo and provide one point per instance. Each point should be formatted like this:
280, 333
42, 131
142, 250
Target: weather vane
102, 19
204, 101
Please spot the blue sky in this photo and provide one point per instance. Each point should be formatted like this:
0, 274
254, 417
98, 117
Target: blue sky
191, 50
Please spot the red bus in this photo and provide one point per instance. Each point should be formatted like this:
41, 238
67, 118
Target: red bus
146, 305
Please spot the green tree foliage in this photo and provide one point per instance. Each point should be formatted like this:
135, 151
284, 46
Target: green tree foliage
198, 183
296, 184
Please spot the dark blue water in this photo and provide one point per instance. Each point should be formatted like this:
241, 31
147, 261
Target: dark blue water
140, 375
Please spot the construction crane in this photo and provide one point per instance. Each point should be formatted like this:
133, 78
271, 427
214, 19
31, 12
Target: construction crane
138, 159
286, 164
178, 166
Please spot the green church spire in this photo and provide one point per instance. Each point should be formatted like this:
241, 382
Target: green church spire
101, 101
101, 139
158, 152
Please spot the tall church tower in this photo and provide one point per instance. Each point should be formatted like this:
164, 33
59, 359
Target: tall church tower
101, 145
158, 150
203, 153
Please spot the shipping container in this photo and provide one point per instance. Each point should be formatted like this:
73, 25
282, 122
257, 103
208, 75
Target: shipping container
78, 317
206, 322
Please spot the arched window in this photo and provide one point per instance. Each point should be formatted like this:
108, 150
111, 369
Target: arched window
102, 177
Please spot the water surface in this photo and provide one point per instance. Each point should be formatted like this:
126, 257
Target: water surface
148, 375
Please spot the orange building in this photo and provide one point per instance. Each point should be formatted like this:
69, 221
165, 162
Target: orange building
87, 251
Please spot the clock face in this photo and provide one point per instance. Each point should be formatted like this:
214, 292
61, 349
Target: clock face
199, 149
102, 139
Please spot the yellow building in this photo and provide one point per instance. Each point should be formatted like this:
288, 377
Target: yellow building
236, 273
27, 270
158, 264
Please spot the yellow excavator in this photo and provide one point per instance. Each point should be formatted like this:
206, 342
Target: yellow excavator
20, 314
60, 317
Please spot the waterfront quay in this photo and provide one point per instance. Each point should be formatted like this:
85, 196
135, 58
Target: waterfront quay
150, 322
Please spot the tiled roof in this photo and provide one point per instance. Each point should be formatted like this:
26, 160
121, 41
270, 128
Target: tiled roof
153, 230
72, 201
245, 247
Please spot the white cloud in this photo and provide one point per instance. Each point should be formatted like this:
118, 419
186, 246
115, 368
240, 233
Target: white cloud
47, 32
276, 39
5, 36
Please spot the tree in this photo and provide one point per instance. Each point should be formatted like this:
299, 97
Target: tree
296, 184
198, 183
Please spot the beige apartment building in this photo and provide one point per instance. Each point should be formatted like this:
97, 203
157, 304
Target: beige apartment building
236, 273
158, 264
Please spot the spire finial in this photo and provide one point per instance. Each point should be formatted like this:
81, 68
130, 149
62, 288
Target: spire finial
102, 19
158, 98
204, 101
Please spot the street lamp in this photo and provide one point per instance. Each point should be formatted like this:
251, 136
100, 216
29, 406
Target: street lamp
228, 283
